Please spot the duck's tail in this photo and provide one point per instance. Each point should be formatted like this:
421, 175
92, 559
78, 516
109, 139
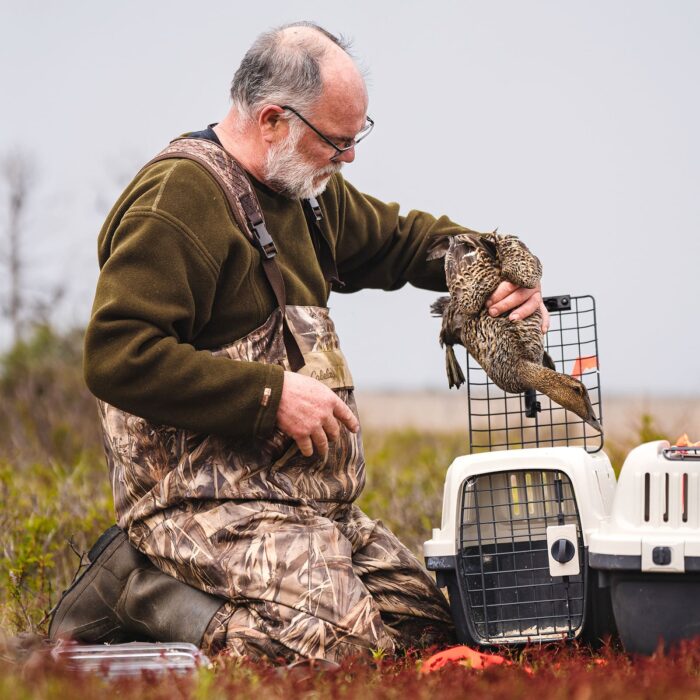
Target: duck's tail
437, 308
565, 390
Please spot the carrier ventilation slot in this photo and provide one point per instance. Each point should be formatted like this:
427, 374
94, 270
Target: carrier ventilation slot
666, 497
647, 496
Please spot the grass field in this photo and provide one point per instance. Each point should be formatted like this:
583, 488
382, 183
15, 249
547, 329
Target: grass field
55, 500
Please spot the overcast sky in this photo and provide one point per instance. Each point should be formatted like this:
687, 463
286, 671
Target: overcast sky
572, 124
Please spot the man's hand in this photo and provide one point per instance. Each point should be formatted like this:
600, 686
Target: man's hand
310, 413
522, 302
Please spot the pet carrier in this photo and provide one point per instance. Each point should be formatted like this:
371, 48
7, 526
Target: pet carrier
512, 546
650, 546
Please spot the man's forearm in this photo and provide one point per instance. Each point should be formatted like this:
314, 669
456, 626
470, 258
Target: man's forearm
171, 383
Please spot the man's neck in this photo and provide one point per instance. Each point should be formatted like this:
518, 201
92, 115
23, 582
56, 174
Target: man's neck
241, 145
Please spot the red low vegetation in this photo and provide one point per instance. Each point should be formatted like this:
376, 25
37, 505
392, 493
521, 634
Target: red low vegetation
558, 672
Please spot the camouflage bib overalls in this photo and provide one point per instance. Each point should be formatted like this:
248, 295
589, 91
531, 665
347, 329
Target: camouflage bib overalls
304, 571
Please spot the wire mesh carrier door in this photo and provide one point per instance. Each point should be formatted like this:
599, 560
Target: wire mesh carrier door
498, 420
511, 523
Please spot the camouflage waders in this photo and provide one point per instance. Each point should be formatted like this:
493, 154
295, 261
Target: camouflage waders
305, 572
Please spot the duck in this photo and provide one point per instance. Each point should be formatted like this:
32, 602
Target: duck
511, 352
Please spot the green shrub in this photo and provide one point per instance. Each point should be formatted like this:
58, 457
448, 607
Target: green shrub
46, 411
47, 506
405, 478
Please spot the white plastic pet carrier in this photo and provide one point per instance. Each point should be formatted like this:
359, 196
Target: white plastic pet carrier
512, 549
650, 546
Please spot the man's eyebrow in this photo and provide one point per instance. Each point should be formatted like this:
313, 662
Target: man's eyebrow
342, 138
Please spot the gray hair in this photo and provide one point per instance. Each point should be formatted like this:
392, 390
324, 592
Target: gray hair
277, 70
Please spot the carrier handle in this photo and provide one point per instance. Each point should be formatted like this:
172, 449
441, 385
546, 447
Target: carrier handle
678, 453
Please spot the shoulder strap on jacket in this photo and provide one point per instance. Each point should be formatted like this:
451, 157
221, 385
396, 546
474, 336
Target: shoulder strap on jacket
324, 253
246, 211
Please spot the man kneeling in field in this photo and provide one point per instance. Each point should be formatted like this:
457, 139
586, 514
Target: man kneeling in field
227, 406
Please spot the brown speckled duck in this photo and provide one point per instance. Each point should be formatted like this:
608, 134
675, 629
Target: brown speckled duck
510, 352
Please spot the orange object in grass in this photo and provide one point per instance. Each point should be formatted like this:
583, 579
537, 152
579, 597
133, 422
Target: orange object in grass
465, 656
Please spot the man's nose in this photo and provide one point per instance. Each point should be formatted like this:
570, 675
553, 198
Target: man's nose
346, 156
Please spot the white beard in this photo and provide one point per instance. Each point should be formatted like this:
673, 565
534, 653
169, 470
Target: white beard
291, 175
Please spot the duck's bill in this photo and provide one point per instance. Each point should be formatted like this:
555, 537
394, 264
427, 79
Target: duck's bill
594, 424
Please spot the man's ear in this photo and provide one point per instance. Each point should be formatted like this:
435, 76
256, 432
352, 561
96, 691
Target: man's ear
438, 248
272, 127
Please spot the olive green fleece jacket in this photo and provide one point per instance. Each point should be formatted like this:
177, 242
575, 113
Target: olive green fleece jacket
179, 279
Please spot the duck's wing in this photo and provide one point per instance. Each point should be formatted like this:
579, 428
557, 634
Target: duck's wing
439, 245
518, 264
488, 242
472, 271
438, 248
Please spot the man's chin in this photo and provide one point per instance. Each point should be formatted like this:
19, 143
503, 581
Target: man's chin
321, 185
313, 187
318, 188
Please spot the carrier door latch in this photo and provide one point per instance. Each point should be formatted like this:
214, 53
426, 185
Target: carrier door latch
562, 550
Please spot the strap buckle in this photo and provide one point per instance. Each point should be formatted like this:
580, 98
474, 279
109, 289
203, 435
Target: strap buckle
261, 237
263, 240
316, 209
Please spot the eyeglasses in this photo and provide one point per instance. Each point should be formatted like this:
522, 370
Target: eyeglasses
339, 150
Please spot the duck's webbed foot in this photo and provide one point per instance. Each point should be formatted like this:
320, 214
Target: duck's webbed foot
455, 376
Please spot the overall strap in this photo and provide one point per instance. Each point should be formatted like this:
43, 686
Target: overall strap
324, 252
246, 211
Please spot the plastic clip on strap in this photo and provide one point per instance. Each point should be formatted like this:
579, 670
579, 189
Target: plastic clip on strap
316, 209
261, 236
263, 239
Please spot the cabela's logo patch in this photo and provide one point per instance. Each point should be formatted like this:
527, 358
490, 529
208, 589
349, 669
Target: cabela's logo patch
323, 374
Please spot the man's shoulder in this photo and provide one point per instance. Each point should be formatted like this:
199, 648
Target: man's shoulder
180, 177
178, 188
178, 193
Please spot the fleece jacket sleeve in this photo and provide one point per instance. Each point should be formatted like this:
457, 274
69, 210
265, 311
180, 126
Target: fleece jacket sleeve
379, 248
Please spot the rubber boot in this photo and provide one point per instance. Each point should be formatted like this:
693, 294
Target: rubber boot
122, 597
